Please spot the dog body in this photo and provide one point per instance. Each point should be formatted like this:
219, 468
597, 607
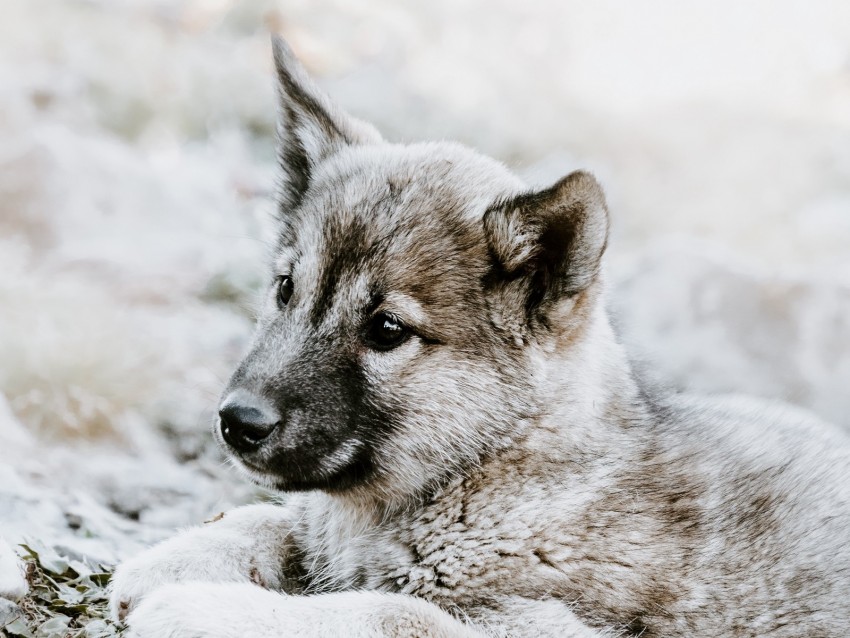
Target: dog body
466, 451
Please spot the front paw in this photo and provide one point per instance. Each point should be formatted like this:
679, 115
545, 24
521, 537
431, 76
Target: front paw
206, 610
135, 578
248, 545
182, 558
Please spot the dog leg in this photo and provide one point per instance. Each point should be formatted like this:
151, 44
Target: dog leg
204, 610
239, 610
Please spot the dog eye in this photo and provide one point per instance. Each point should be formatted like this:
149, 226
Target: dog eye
284, 290
386, 332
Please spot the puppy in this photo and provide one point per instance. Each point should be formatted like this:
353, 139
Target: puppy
460, 443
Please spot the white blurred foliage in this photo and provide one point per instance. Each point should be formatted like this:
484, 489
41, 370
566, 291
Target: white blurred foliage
701, 319
136, 167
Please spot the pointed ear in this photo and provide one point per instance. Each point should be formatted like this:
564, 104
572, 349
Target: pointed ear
311, 128
549, 244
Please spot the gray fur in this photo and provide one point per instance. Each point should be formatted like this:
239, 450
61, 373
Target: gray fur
501, 471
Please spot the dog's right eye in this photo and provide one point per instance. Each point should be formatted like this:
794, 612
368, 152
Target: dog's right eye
284, 290
386, 332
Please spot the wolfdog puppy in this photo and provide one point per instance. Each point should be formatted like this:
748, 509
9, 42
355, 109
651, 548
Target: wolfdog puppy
463, 448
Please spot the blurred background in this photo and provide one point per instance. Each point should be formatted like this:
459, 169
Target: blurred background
136, 170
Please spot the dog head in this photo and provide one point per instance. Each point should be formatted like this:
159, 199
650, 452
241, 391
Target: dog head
411, 285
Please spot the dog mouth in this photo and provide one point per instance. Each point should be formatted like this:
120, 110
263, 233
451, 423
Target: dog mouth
250, 467
305, 469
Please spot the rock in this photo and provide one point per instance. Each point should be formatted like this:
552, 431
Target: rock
9, 613
13, 582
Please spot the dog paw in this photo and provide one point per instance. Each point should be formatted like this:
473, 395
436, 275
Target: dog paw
247, 545
176, 560
137, 577
204, 610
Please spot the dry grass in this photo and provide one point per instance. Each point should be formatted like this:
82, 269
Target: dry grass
67, 599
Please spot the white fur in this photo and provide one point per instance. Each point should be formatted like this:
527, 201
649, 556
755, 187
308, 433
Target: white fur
245, 545
205, 610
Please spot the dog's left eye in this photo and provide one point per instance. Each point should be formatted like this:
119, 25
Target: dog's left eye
386, 332
284, 290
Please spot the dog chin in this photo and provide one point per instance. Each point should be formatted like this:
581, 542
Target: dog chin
330, 474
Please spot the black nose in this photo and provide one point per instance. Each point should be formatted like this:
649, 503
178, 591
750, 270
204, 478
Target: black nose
245, 428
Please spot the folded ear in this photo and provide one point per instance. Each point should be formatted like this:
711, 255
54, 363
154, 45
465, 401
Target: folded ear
548, 244
311, 128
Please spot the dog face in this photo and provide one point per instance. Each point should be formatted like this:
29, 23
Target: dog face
409, 286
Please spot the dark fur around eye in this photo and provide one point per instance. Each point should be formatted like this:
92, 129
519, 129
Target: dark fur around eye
386, 332
284, 290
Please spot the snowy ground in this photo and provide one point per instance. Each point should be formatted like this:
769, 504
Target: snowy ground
135, 172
